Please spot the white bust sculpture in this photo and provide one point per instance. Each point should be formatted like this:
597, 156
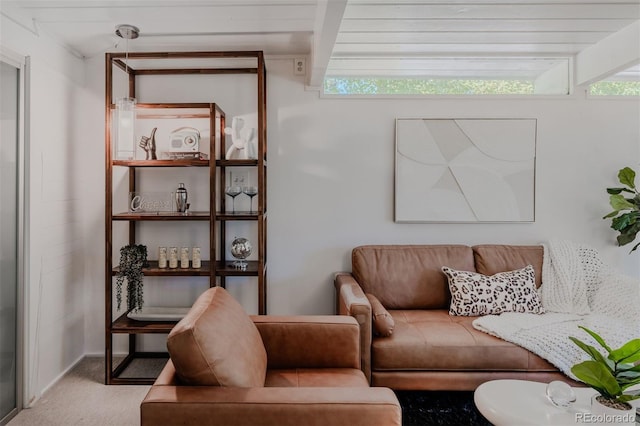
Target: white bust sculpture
242, 146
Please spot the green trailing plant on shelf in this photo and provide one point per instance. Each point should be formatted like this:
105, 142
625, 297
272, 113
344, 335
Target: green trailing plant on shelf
612, 375
625, 217
133, 257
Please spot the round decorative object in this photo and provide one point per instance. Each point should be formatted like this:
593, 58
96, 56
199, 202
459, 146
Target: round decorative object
560, 394
240, 249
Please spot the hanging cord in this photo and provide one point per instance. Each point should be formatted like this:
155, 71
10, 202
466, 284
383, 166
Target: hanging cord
126, 55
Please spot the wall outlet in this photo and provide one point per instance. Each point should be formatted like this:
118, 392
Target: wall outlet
299, 67
239, 178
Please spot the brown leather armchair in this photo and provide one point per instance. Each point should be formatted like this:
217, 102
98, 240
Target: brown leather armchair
310, 373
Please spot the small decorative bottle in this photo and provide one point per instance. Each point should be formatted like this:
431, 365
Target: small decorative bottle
173, 257
195, 258
181, 198
184, 257
162, 257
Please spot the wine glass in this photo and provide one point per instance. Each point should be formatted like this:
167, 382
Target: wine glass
233, 192
251, 191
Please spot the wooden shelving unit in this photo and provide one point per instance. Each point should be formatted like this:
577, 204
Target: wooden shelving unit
218, 268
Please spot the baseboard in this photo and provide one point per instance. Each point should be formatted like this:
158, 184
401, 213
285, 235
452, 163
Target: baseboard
101, 354
37, 397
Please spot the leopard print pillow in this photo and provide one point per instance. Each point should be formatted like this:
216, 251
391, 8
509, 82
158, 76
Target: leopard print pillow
474, 294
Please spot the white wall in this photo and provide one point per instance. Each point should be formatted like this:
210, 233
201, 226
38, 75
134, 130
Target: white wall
331, 168
330, 186
55, 294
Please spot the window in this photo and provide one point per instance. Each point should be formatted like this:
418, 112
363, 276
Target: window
447, 76
624, 83
414, 86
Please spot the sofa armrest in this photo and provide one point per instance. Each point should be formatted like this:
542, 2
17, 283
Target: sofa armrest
351, 300
310, 341
212, 405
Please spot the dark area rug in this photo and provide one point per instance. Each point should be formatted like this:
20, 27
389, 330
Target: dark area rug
422, 408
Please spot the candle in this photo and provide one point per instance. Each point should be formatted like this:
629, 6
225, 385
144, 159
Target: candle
173, 257
184, 257
162, 257
195, 256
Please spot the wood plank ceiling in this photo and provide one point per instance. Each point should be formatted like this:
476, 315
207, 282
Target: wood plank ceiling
437, 38
471, 38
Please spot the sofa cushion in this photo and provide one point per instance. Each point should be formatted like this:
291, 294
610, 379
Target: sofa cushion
217, 344
493, 258
435, 340
474, 294
316, 377
382, 320
409, 276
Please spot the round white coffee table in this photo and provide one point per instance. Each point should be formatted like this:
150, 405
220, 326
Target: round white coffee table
522, 402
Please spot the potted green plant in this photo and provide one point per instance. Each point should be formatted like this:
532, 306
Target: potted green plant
626, 210
133, 257
610, 376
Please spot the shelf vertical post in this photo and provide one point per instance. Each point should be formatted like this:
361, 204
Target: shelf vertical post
108, 213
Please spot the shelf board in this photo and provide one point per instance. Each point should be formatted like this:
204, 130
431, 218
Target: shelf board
122, 373
236, 163
226, 269
126, 325
239, 215
195, 215
161, 163
153, 271
223, 268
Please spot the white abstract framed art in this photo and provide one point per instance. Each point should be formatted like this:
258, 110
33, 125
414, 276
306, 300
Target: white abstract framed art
465, 170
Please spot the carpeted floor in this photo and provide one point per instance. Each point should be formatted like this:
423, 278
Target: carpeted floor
80, 398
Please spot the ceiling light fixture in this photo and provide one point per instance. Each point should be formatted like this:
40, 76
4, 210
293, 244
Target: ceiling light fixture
125, 107
128, 32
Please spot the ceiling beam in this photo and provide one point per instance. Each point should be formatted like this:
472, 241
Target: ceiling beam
612, 54
553, 81
328, 18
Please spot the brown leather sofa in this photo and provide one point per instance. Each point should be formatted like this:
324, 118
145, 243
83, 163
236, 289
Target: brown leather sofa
428, 348
227, 368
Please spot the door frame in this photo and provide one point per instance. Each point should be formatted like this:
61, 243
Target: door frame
22, 63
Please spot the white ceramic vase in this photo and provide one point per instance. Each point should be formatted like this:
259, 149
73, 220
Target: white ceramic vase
604, 415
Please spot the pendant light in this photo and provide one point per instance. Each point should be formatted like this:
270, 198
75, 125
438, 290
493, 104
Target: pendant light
125, 114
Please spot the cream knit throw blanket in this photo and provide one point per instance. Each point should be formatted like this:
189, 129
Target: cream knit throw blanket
577, 289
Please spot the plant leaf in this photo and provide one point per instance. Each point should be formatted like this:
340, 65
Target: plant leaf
628, 234
618, 190
623, 221
627, 353
627, 375
635, 368
590, 350
634, 247
627, 397
598, 377
624, 384
594, 354
612, 214
627, 177
618, 202
597, 338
